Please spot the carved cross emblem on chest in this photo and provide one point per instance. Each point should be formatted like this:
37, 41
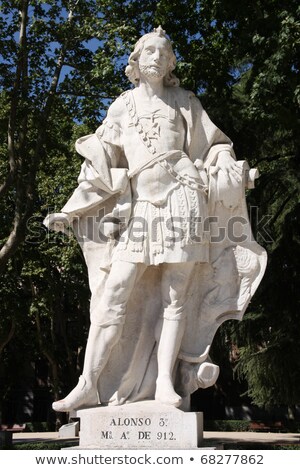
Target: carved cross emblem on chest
151, 124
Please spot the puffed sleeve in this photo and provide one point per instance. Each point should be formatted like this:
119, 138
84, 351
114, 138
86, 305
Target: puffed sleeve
110, 134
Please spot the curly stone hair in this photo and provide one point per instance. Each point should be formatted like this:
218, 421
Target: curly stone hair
132, 70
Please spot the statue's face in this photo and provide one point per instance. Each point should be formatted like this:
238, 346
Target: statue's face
155, 58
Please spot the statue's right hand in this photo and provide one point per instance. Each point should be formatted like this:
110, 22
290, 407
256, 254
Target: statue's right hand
58, 222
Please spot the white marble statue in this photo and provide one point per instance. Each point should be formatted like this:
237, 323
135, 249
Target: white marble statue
161, 218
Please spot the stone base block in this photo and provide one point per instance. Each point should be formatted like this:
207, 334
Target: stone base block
142, 425
69, 430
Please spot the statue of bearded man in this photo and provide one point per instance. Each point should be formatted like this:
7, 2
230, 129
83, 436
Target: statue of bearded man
148, 164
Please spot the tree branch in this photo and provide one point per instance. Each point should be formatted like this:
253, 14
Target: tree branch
79, 95
269, 159
6, 184
284, 203
42, 126
51, 96
9, 335
19, 88
25, 190
13, 160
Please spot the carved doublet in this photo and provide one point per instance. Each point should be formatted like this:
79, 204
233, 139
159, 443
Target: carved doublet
149, 134
152, 132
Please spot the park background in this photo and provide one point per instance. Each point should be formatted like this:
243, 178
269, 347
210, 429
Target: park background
61, 65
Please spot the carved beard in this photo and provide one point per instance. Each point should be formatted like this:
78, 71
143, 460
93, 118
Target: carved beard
151, 73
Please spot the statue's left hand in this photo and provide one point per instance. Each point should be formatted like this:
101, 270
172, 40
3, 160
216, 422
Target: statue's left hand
58, 222
228, 166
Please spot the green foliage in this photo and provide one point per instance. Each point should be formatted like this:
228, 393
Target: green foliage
232, 425
39, 427
46, 445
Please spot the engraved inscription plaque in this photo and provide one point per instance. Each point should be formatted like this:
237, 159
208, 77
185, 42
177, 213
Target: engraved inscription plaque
142, 425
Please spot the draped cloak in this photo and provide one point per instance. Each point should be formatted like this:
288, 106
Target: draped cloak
221, 287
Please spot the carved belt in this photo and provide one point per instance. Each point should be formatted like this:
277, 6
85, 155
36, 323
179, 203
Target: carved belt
184, 179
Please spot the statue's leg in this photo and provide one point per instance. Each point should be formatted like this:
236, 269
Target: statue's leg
105, 331
175, 284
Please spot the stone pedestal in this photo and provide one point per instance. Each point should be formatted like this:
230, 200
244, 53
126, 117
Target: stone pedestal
69, 430
143, 425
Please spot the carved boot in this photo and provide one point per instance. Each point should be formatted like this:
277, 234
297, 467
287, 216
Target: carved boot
99, 345
83, 395
165, 392
168, 348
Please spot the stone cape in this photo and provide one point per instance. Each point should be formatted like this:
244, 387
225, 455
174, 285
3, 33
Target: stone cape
220, 289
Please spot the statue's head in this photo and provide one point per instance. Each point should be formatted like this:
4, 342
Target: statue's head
156, 39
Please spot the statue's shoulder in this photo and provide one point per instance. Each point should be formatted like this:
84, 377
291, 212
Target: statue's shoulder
183, 97
117, 109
